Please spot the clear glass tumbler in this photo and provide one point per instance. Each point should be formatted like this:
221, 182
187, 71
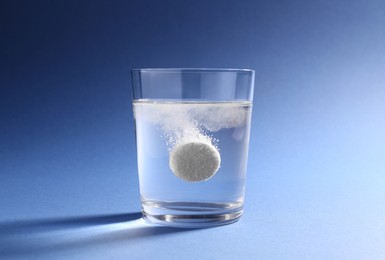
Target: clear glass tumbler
192, 133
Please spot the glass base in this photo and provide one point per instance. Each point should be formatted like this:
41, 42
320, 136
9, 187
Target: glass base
191, 214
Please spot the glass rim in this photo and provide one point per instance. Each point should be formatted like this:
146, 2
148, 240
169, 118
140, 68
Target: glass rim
192, 70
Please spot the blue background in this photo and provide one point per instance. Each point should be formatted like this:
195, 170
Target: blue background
316, 175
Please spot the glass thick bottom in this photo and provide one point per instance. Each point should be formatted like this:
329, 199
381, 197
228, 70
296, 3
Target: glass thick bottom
191, 214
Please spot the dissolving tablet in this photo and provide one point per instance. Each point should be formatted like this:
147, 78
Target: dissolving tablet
194, 161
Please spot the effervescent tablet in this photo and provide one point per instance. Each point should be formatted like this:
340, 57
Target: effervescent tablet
194, 161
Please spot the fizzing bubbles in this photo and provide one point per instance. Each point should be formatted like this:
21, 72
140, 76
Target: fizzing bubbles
193, 154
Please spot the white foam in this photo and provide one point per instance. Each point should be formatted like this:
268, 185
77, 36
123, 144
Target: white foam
181, 120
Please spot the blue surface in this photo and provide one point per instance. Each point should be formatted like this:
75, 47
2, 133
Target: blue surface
316, 179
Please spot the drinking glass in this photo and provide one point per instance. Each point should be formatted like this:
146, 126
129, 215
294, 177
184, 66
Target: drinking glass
192, 134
